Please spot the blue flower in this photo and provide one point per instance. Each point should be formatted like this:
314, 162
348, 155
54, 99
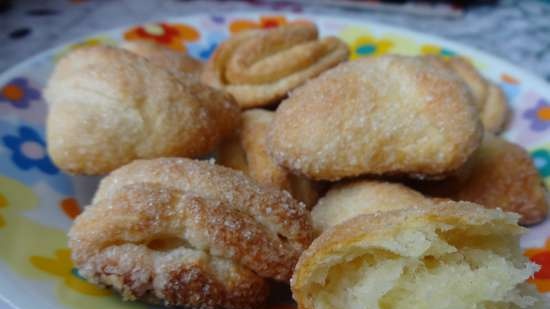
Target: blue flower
206, 48
539, 115
18, 93
29, 150
218, 19
541, 158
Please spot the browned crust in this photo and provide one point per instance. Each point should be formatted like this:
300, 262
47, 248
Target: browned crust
259, 67
248, 152
496, 113
229, 234
109, 106
378, 116
366, 229
352, 198
261, 167
499, 175
491, 102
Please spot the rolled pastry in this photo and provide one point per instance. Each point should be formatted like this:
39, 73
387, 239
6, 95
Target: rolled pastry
188, 233
248, 153
109, 106
259, 67
377, 115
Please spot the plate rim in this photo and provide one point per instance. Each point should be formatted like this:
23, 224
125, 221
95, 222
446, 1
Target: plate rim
532, 78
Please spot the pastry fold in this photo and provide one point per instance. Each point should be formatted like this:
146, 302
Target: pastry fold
188, 233
248, 152
109, 106
453, 255
260, 67
378, 116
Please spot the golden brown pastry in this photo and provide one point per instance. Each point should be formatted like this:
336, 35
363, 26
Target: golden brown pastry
248, 153
172, 60
454, 255
496, 111
489, 98
379, 115
350, 199
188, 233
499, 175
259, 67
109, 106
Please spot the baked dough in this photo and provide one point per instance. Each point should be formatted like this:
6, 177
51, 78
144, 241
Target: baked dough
496, 111
188, 233
488, 97
172, 60
259, 67
109, 106
377, 115
499, 175
350, 199
454, 255
248, 153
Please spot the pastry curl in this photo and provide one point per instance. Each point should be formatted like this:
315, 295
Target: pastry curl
259, 67
188, 233
500, 174
380, 115
248, 152
171, 60
109, 106
452, 255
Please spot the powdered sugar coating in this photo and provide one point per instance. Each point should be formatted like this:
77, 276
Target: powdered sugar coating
384, 115
109, 106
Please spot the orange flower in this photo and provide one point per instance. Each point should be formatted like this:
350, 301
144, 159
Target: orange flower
70, 207
3, 203
509, 79
170, 35
541, 256
265, 22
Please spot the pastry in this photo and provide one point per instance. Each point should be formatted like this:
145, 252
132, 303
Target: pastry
496, 111
488, 97
499, 175
172, 60
188, 233
109, 106
350, 199
380, 116
453, 255
259, 67
248, 153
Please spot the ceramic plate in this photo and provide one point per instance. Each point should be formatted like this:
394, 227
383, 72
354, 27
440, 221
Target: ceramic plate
38, 201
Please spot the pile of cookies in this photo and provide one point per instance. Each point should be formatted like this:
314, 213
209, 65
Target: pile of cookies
378, 183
